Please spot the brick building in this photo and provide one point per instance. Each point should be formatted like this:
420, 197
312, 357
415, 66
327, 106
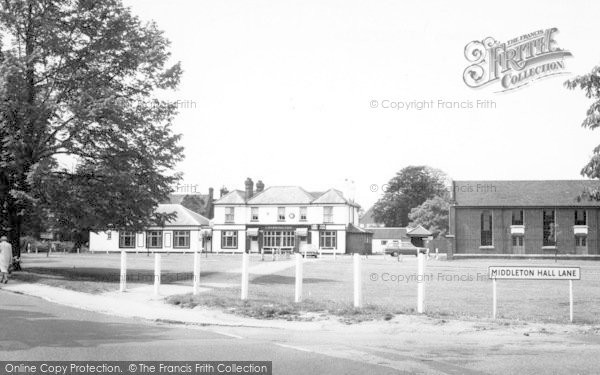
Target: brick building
524, 217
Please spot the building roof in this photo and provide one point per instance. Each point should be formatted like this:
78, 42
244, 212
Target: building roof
177, 198
538, 193
282, 195
331, 196
418, 231
388, 233
184, 217
354, 229
233, 197
286, 195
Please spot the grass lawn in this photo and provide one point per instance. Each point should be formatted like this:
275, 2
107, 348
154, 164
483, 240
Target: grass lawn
453, 289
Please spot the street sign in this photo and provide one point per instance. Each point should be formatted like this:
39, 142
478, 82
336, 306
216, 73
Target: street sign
534, 273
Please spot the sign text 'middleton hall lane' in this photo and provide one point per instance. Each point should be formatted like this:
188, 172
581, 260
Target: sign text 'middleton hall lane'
534, 273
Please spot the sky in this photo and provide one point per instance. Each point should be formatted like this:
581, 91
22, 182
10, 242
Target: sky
283, 91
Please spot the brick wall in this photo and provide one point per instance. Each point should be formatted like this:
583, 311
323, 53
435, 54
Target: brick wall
466, 227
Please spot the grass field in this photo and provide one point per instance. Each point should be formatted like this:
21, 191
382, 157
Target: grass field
453, 289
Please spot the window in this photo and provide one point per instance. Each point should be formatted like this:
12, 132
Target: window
126, 240
517, 240
549, 228
280, 213
109, 235
328, 214
581, 241
154, 239
328, 239
279, 239
229, 214
302, 213
383, 242
486, 228
517, 217
181, 239
229, 239
580, 217
254, 214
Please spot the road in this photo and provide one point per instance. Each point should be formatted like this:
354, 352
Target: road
34, 329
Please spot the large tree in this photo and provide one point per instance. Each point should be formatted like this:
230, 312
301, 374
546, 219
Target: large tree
79, 82
410, 187
590, 84
432, 214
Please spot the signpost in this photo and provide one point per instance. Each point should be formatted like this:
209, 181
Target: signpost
534, 273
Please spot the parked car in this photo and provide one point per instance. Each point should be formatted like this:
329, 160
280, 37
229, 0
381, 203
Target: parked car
309, 253
394, 249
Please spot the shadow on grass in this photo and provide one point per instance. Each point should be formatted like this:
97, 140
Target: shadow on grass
112, 275
288, 280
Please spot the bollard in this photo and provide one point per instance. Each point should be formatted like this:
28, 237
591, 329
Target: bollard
123, 278
298, 278
245, 264
196, 285
262, 255
156, 274
420, 276
436, 254
334, 254
357, 282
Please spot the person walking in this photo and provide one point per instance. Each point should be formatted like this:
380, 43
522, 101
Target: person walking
5, 258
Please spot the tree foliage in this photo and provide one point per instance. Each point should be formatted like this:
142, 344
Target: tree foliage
590, 84
410, 187
433, 215
78, 83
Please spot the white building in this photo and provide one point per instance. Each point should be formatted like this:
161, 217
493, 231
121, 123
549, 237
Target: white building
398, 238
187, 232
287, 218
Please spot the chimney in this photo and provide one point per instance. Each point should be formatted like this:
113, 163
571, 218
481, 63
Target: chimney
249, 188
223, 192
210, 209
259, 186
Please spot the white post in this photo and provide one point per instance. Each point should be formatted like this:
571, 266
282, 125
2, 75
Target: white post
123, 278
245, 263
156, 274
571, 300
436, 254
357, 281
320, 253
334, 254
298, 278
494, 303
420, 276
262, 254
196, 286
